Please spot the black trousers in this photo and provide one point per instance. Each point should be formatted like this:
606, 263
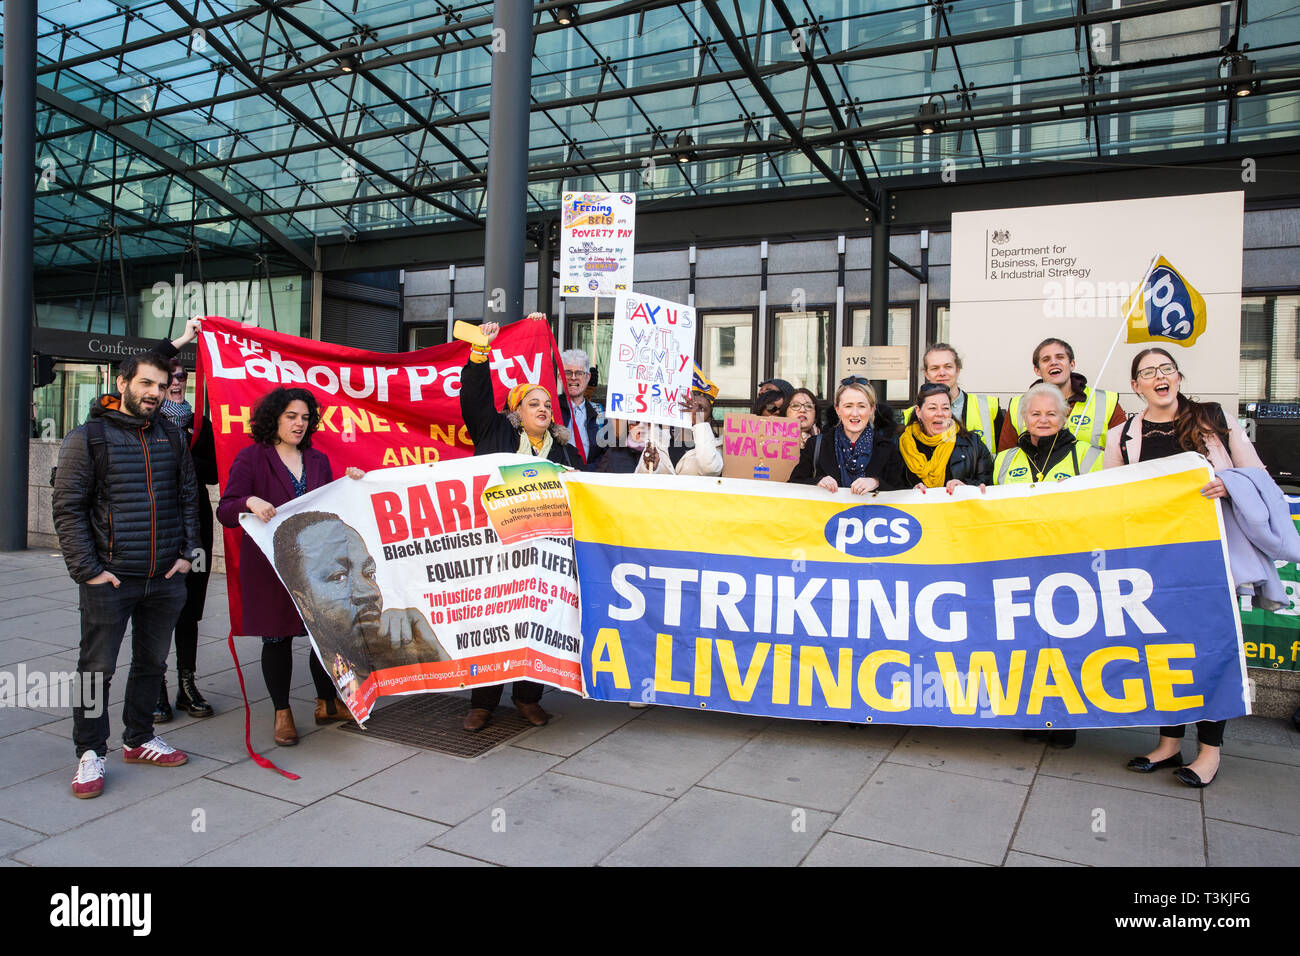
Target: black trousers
196, 592
1209, 732
521, 692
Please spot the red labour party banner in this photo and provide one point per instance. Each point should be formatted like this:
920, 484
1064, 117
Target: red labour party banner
378, 409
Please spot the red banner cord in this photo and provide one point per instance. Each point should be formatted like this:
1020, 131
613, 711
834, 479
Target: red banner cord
248, 718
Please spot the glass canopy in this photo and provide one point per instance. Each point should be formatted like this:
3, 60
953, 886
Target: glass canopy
167, 127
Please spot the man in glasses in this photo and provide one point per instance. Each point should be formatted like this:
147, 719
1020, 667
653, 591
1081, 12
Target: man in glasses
587, 418
978, 413
1093, 411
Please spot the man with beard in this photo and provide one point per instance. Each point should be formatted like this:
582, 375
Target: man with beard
330, 574
125, 509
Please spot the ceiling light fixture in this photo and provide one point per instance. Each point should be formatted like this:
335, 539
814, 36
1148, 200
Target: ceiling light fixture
565, 13
683, 145
348, 58
1241, 76
927, 118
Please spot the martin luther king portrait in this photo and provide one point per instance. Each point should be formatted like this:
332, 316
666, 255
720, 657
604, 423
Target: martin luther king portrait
329, 572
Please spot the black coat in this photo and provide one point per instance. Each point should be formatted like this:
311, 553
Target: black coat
143, 516
808, 472
969, 463
493, 432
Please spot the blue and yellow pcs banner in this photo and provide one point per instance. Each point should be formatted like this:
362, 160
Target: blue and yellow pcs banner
1104, 601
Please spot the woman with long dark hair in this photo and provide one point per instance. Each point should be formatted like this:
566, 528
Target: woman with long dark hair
279, 466
1171, 424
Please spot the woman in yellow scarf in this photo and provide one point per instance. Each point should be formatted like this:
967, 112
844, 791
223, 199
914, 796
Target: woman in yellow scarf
935, 451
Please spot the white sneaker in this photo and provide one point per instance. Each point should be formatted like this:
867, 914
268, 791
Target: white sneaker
89, 781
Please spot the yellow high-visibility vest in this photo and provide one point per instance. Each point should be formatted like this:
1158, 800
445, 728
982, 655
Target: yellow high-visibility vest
1088, 418
1012, 466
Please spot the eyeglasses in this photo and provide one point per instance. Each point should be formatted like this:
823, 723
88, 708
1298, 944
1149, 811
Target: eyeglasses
772, 408
574, 373
855, 380
802, 406
180, 376
1147, 374
933, 388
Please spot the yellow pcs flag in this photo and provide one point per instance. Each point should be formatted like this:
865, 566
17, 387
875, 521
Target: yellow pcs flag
1166, 309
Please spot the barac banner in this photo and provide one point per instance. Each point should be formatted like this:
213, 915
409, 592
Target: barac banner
425, 578
1105, 601
378, 409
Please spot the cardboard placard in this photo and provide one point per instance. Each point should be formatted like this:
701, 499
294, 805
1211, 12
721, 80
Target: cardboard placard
651, 361
758, 447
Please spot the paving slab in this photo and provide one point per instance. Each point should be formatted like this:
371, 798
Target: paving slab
1016, 858
163, 830
658, 756
31, 753
14, 837
29, 604
451, 789
222, 736
1232, 844
954, 814
63, 727
838, 849
1263, 730
15, 650
45, 620
334, 832
432, 856
994, 754
1100, 756
326, 762
712, 828
1063, 820
14, 720
800, 763
578, 724
1254, 750
1254, 793
46, 803
554, 821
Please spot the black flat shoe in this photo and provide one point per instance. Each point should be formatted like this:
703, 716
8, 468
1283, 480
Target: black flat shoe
1189, 777
1143, 765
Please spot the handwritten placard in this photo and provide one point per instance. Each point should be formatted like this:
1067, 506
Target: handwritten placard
888, 362
758, 447
651, 360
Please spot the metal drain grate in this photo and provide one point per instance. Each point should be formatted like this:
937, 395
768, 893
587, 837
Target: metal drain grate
433, 722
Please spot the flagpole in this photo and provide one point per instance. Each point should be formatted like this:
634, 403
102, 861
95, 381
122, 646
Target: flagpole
1137, 297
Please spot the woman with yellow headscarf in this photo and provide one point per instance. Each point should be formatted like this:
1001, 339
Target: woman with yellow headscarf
935, 451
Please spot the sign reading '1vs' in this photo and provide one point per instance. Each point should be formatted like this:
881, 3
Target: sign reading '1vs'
652, 359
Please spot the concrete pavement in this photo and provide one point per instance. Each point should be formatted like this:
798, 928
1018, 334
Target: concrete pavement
604, 784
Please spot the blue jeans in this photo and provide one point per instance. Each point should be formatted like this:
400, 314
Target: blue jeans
152, 605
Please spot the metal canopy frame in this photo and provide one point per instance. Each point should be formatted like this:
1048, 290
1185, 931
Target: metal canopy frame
252, 108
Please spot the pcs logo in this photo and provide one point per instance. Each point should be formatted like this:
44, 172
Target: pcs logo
873, 531
570, 290
1019, 472
530, 472
625, 198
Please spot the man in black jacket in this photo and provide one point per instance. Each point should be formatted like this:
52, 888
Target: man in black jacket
125, 509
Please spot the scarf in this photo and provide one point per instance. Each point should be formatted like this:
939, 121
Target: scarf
853, 456
180, 414
541, 449
930, 471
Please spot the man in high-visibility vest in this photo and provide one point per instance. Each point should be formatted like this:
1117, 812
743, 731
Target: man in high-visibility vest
1093, 411
979, 413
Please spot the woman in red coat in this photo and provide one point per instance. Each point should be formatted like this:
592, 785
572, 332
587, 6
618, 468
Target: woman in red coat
279, 467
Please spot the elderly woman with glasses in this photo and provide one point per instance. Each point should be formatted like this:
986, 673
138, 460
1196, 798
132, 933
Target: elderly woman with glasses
852, 454
935, 451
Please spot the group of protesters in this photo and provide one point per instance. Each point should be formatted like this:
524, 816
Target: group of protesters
127, 504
